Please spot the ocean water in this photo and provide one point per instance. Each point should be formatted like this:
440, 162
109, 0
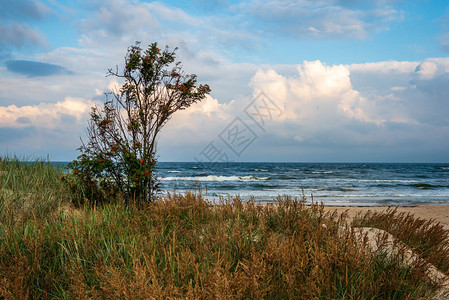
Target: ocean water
355, 184
364, 184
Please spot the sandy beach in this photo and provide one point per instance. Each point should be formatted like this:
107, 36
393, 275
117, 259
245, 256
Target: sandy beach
439, 213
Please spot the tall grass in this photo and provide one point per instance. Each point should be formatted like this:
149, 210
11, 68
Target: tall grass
29, 189
425, 237
183, 247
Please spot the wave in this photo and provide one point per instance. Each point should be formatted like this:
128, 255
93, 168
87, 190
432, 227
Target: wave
215, 178
336, 189
284, 177
426, 186
174, 171
387, 180
260, 170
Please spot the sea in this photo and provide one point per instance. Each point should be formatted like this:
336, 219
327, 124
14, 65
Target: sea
342, 184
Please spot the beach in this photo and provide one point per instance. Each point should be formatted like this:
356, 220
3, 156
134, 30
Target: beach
439, 213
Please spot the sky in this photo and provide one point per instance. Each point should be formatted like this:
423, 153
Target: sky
292, 81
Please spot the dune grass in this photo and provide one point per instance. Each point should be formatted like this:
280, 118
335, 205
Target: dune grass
29, 189
425, 237
184, 247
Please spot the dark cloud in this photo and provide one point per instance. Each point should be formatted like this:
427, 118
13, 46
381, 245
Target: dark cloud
35, 69
23, 10
18, 35
23, 120
38, 142
431, 105
8, 134
15, 33
67, 119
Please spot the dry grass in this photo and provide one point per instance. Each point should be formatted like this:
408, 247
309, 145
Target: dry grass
182, 247
425, 237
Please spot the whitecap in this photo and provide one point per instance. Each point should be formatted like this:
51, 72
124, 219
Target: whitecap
215, 178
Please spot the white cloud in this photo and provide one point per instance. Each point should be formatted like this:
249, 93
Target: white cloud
173, 14
114, 86
426, 70
321, 19
117, 22
317, 92
384, 67
46, 115
398, 88
323, 106
198, 124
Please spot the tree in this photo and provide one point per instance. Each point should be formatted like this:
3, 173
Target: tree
120, 154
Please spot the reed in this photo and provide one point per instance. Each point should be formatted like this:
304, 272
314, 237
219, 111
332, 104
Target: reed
181, 246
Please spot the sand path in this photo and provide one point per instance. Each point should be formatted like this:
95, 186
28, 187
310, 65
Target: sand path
439, 213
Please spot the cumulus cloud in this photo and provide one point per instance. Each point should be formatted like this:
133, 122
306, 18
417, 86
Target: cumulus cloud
426, 70
46, 115
322, 106
319, 91
204, 119
330, 110
45, 128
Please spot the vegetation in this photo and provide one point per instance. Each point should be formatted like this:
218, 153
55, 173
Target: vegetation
120, 154
181, 246
425, 237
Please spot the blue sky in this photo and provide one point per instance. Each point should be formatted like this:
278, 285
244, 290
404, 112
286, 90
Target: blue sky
352, 81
